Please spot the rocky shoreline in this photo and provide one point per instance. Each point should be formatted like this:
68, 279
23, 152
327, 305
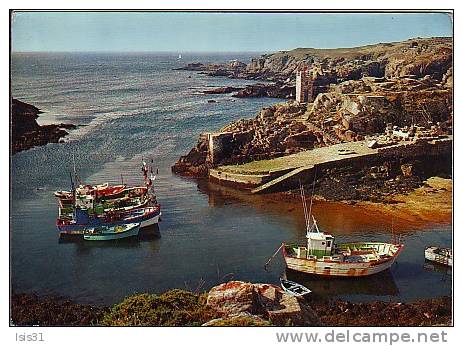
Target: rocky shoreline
361, 94
26, 133
275, 90
417, 56
234, 303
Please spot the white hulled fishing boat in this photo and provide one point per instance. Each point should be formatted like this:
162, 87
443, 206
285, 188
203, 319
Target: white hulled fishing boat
322, 256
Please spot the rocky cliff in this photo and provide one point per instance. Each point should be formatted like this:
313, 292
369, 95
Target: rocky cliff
26, 133
418, 56
403, 83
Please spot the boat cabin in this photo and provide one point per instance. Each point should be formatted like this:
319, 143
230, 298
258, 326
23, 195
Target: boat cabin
319, 244
84, 201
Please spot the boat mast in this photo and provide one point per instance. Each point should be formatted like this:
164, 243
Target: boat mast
76, 179
308, 214
307, 218
304, 207
311, 197
73, 189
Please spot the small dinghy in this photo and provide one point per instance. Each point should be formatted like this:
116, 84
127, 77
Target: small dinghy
294, 288
441, 255
112, 232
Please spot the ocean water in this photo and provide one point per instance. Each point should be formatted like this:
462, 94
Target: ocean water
130, 107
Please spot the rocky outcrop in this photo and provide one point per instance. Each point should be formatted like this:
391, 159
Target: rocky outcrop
361, 90
26, 133
262, 301
194, 66
222, 90
23, 118
276, 90
277, 130
233, 69
354, 109
418, 57
414, 58
195, 163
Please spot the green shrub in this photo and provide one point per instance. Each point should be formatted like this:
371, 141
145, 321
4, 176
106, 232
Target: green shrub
172, 308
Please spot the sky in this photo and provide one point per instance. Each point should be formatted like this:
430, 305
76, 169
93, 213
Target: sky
215, 32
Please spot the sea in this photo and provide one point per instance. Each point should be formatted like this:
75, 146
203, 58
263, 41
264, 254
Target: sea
130, 107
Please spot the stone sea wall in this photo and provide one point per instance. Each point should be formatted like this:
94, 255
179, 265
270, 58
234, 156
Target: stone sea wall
373, 175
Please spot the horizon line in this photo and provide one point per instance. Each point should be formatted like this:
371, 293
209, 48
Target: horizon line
223, 51
143, 51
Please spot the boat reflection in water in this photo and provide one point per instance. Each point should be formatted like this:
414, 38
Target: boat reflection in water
437, 268
381, 284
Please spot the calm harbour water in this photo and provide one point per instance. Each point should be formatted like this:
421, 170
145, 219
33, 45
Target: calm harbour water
134, 106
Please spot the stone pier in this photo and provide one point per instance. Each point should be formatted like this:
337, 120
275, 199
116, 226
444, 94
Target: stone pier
284, 173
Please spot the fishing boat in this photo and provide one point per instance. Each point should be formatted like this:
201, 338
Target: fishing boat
440, 255
101, 192
104, 205
112, 232
99, 207
146, 216
294, 288
322, 256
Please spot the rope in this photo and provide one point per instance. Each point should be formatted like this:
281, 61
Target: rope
271, 258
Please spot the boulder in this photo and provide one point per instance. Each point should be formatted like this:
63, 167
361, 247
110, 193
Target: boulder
266, 301
304, 139
352, 86
233, 298
407, 170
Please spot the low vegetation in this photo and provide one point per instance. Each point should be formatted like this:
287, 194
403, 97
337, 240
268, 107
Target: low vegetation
183, 308
172, 308
31, 310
